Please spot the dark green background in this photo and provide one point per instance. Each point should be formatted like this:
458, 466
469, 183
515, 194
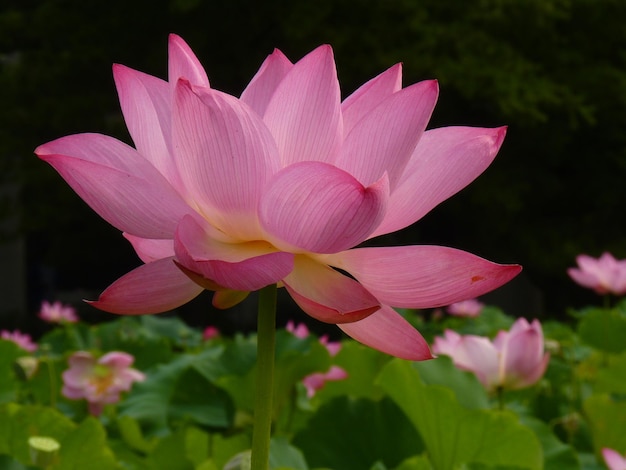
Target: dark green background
554, 71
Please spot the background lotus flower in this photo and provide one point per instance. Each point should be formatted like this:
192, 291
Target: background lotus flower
275, 187
466, 308
23, 340
210, 332
604, 275
99, 381
316, 381
57, 312
299, 331
514, 359
613, 459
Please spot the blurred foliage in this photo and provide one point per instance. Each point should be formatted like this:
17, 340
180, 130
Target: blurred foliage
194, 410
552, 70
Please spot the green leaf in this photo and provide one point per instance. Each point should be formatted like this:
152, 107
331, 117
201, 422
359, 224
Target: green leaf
295, 359
86, 447
604, 329
177, 390
130, 431
556, 454
441, 371
9, 383
607, 419
224, 448
352, 434
284, 455
170, 327
196, 399
612, 378
18, 423
171, 453
417, 462
8, 463
363, 365
454, 435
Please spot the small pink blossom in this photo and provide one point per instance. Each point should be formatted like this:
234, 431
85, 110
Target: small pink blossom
604, 275
278, 186
302, 331
466, 308
99, 381
57, 312
514, 359
316, 381
210, 332
23, 340
613, 459
299, 331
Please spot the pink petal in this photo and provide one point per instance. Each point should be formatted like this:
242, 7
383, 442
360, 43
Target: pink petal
422, 276
477, 354
261, 88
326, 294
384, 139
387, 331
151, 288
225, 156
369, 95
613, 459
317, 207
304, 113
117, 360
444, 162
523, 361
183, 63
242, 267
150, 250
116, 182
145, 102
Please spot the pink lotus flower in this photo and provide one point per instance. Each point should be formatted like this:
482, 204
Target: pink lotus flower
23, 340
210, 332
99, 381
235, 194
466, 308
57, 312
604, 275
613, 459
515, 359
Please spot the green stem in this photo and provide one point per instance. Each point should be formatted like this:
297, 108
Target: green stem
266, 339
501, 403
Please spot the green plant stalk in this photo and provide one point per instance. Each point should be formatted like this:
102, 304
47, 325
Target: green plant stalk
266, 345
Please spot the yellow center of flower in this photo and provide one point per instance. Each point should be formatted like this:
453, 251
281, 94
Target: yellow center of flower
102, 378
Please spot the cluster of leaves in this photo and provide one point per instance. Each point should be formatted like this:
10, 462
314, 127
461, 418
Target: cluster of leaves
194, 411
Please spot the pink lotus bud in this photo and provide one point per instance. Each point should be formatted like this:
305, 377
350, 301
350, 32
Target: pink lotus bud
57, 312
613, 459
99, 381
466, 308
514, 359
23, 340
300, 330
604, 275
316, 381
333, 347
210, 332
